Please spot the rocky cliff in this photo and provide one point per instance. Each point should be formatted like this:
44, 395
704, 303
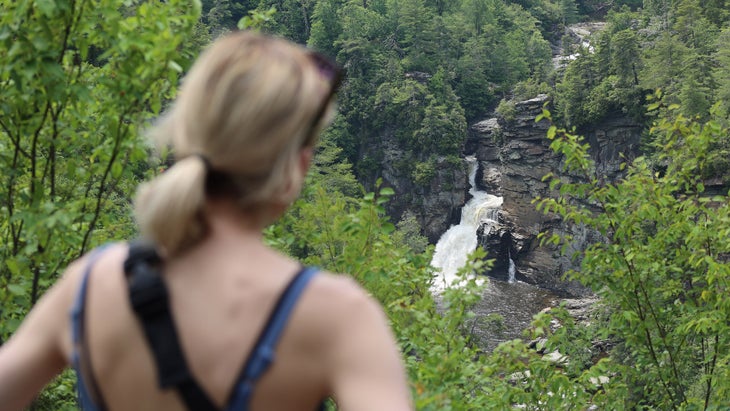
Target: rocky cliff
435, 204
514, 156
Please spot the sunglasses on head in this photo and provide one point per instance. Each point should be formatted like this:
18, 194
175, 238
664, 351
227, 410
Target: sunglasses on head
334, 75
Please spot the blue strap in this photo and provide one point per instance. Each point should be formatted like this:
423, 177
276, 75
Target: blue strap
78, 311
263, 352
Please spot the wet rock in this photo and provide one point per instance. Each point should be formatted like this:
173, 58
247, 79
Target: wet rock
555, 357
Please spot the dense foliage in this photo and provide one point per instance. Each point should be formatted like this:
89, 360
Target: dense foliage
678, 46
80, 79
663, 271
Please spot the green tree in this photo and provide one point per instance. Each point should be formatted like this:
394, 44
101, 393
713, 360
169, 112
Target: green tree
403, 102
472, 82
659, 9
622, 87
625, 57
413, 25
79, 79
716, 11
692, 28
538, 56
326, 27
291, 20
220, 17
720, 72
442, 6
664, 63
568, 11
572, 100
408, 233
663, 269
330, 166
477, 13
695, 97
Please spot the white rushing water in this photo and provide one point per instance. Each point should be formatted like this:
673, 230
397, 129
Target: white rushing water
512, 270
455, 245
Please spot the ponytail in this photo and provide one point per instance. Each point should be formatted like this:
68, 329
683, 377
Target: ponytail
169, 208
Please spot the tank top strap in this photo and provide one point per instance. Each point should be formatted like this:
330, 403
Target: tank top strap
263, 353
78, 311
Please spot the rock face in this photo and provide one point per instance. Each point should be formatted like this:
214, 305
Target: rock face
514, 156
437, 204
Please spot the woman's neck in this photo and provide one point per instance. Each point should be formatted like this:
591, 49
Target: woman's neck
224, 216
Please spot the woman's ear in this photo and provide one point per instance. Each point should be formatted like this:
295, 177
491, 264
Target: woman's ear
305, 159
297, 174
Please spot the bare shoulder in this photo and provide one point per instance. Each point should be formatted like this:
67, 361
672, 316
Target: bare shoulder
64, 293
344, 297
347, 314
363, 358
339, 284
41, 346
76, 268
61, 295
337, 308
70, 280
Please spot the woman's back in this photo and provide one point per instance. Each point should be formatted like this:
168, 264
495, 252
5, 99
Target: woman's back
221, 296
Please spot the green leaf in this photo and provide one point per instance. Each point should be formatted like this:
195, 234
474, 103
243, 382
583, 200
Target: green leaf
13, 267
175, 66
46, 7
16, 289
117, 169
551, 132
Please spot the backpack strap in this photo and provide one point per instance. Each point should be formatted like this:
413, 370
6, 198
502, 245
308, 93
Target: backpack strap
151, 304
263, 352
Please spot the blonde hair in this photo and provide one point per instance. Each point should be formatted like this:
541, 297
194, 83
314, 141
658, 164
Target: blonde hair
243, 111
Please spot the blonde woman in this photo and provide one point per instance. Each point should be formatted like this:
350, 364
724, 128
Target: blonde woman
189, 323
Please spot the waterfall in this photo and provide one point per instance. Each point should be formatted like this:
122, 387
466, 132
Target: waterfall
512, 269
455, 245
